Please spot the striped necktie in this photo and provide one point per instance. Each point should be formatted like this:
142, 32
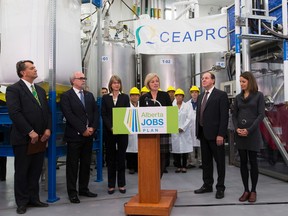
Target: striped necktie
34, 92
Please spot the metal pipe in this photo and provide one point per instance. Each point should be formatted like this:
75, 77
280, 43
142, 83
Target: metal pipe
52, 103
237, 47
285, 48
276, 139
246, 42
99, 53
197, 55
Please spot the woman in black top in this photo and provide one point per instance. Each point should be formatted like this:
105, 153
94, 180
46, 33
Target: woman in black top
249, 111
157, 98
116, 145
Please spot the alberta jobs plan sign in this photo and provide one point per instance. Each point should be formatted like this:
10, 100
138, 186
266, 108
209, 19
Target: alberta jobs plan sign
145, 120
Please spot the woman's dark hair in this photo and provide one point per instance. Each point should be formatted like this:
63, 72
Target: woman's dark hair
252, 84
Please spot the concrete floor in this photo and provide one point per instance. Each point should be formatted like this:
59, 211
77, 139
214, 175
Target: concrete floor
272, 196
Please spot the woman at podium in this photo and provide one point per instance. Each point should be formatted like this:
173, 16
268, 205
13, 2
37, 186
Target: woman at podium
157, 98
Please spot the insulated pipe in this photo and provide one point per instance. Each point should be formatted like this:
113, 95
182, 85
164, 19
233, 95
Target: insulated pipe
285, 49
237, 47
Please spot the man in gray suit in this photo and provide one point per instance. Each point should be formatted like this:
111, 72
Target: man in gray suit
211, 128
28, 109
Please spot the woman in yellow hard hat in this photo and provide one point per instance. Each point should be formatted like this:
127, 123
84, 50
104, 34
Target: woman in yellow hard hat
181, 142
144, 90
171, 91
194, 158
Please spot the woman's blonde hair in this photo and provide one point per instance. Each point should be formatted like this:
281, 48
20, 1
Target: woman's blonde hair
148, 79
112, 79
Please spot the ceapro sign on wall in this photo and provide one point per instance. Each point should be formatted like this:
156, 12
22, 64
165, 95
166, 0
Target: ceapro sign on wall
199, 35
145, 120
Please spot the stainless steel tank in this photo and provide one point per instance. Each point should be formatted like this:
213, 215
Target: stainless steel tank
174, 70
118, 58
208, 61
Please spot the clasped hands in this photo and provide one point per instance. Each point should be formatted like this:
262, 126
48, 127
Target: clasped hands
35, 136
88, 132
242, 132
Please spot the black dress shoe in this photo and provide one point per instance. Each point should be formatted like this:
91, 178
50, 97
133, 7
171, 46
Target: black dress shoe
88, 194
203, 190
111, 191
122, 190
74, 199
219, 194
38, 204
21, 209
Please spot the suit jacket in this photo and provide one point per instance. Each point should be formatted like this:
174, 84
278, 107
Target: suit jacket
215, 115
77, 116
107, 106
162, 97
25, 112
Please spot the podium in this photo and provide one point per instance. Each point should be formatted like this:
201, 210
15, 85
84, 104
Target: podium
150, 200
148, 123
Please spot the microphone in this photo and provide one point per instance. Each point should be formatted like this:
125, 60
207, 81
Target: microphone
154, 100
146, 100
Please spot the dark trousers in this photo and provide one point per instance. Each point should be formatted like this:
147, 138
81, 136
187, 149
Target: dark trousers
28, 169
132, 160
3, 162
178, 162
210, 150
250, 156
116, 146
78, 158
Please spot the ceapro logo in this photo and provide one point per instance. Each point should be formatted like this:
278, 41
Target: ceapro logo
150, 33
132, 120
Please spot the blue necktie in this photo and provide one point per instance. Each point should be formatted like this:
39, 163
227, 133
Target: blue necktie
82, 97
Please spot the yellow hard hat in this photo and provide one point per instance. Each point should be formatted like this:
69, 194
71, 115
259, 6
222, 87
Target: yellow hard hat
144, 89
134, 91
171, 88
179, 92
194, 88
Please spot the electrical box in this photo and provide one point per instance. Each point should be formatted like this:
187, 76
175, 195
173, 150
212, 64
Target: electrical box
229, 87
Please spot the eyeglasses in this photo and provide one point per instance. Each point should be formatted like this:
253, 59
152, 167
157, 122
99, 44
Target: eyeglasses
81, 78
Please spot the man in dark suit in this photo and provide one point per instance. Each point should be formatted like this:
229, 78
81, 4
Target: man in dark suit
211, 128
81, 114
31, 118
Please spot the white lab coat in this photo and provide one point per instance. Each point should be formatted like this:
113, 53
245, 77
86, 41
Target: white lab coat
132, 140
182, 142
195, 141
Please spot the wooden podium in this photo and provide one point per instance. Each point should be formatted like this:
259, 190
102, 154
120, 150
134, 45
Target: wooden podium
150, 200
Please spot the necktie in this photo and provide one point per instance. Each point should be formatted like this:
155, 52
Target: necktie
34, 92
82, 97
204, 101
